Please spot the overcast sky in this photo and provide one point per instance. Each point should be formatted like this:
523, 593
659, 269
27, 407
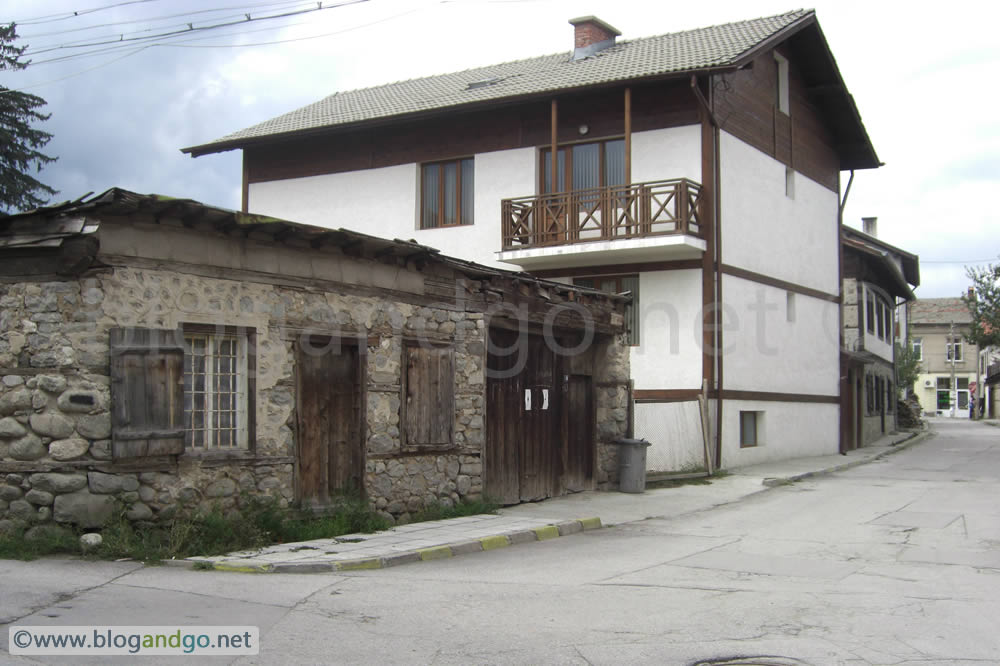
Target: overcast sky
924, 82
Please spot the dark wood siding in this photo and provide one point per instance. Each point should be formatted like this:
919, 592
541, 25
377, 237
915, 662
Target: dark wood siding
745, 107
147, 392
654, 106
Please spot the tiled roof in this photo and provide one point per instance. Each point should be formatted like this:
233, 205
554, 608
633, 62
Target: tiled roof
691, 50
939, 311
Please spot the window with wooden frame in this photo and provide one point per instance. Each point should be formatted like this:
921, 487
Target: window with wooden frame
870, 310
617, 284
582, 166
217, 388
750, 426
954, 346
428, 403
447, 193
869, 394
880, 319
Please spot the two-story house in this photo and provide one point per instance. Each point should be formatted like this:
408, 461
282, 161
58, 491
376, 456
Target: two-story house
949, 363
699, 171
877, 281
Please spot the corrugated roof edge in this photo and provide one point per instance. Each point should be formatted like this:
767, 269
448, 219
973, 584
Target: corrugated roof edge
122, 200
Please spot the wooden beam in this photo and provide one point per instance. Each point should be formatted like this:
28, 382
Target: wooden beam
628, 136
555, 145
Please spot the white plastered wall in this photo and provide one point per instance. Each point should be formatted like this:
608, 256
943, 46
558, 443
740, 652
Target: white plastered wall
764, 351
674, 431
669, 352
788, 430
665, 154
384, 202
764, 231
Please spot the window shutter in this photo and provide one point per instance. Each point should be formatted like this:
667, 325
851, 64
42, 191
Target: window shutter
430, 390
147, 392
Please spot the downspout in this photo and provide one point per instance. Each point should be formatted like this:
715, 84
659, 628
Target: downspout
845, 375
716, 259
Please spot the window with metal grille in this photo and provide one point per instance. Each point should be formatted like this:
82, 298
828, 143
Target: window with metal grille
617, 284
215, 391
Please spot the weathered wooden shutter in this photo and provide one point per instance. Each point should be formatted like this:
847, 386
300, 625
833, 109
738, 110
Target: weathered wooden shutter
430, 396
147, 392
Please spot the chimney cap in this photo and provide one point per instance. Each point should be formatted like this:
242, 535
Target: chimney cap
607, 27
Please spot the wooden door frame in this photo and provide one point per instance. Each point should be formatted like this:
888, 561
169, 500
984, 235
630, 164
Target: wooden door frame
361, 352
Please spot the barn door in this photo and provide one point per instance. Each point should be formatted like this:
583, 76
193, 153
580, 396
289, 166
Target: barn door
330, 453
578, 449
541, 423
503, 418
537, 443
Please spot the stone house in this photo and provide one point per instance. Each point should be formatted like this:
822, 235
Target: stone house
700, 171
878, 282
162, 352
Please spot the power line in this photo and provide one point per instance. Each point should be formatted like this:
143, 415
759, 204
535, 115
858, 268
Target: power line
186, 44
62, 16
128, 43
240, 8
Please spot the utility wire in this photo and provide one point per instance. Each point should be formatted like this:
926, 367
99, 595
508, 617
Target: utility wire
240, 8
62, 16
126, 43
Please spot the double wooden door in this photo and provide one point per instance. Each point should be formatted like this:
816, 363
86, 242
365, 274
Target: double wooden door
539, 440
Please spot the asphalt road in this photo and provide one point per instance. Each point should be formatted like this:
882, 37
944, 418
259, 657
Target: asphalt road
894, 562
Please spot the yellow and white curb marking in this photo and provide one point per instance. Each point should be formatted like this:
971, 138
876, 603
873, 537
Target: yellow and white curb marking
420, 555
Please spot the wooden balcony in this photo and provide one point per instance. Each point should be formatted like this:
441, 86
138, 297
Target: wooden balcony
623, 212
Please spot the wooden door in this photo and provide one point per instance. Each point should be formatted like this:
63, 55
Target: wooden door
578, 449
540, 441
503, 417
330, 449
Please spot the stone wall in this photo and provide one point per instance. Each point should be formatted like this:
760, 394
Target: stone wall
55, 424
611, 398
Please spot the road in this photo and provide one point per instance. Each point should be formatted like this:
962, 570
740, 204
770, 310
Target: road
894, 562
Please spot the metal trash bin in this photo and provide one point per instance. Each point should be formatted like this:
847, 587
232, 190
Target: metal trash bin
632, 465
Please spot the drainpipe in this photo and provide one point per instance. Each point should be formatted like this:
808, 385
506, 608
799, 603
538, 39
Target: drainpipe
716, 262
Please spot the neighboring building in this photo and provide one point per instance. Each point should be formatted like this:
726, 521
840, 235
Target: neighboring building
937, 330
699, 171
164, 352
877, 281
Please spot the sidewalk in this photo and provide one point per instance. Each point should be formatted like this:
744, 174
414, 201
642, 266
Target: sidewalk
537, 521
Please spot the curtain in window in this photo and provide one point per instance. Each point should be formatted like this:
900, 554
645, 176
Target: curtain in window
468, 190
430, 197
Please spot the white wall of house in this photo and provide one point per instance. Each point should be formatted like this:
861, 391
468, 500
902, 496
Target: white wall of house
763, 230
883, 348
666, 154
674, 430
787, 430
384, 202
764, 351
669, 352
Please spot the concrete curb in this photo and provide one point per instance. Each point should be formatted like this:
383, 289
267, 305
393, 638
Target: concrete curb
913, 439
482, 544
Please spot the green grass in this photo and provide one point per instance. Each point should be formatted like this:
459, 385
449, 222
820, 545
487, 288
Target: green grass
14, 546
464, 508
259, 522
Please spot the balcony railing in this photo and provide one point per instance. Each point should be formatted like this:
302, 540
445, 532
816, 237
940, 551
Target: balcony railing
640, 210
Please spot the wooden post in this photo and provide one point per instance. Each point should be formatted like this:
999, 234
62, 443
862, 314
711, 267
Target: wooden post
628, 136
703, 412
555, 145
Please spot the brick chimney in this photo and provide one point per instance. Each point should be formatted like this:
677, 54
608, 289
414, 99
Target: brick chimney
870, 226
591, 35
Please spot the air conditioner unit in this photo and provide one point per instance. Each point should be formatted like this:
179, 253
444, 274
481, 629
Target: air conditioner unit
928, 383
